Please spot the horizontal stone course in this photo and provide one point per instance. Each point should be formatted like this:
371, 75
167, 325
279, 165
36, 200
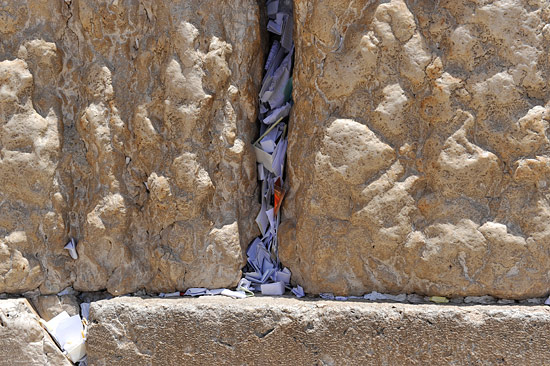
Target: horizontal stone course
265, 330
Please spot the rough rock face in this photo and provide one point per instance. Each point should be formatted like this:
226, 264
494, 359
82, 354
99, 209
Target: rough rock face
126, 125
418, 153
22, 340
49, 306
267, 331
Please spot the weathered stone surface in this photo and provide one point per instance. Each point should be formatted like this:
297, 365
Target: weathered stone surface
22, 340
126, 125
50, 306
282, 331
418, 151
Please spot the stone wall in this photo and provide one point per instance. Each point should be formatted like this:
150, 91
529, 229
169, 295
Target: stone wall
418, 154
418, 151
126, 125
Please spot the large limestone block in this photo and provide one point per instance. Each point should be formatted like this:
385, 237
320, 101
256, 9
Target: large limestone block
418, 150
126, 125
284, 331
22, 340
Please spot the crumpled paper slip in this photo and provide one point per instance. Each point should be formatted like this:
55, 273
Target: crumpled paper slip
202, 291
234, 294
374, 296
85, 310
246, 287
67, 291
71, 247
298, 291
171, 294
196, 291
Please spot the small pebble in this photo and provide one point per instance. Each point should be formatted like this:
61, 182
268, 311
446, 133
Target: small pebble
480, 300
506, 302
457, 300
415, 299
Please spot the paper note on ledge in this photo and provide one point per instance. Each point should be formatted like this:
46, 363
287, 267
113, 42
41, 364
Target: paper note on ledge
273, 289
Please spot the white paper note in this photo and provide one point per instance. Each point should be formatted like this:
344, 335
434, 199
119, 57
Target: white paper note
234, 294
71, 247
273, 289
277, 114
262, 220
283, 276
298, 291
196, 291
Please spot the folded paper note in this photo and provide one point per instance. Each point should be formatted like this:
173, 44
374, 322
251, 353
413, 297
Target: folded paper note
298, 291
283, 276
272, 8
272, 54
273, 289
286, 37
85, 310
277, 114
196, 291
277, 25
71, 247
262, 219
171, 294
233, 294
68, 332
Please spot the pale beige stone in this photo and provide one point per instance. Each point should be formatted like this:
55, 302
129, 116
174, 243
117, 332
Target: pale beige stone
49, 306
22, 340
29, 156
285, 331
456, 202
126, 125
418, 155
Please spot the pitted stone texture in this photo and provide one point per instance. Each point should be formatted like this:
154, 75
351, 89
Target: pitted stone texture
22, 340
49, 306
283, 331
32, 228
418, 150
126, 125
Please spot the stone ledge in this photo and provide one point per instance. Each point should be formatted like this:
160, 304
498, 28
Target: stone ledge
22, 340
265, 330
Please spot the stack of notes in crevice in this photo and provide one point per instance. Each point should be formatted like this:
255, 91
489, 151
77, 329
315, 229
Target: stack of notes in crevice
264, 270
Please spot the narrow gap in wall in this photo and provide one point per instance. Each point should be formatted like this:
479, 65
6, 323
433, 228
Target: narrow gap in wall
263, 271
